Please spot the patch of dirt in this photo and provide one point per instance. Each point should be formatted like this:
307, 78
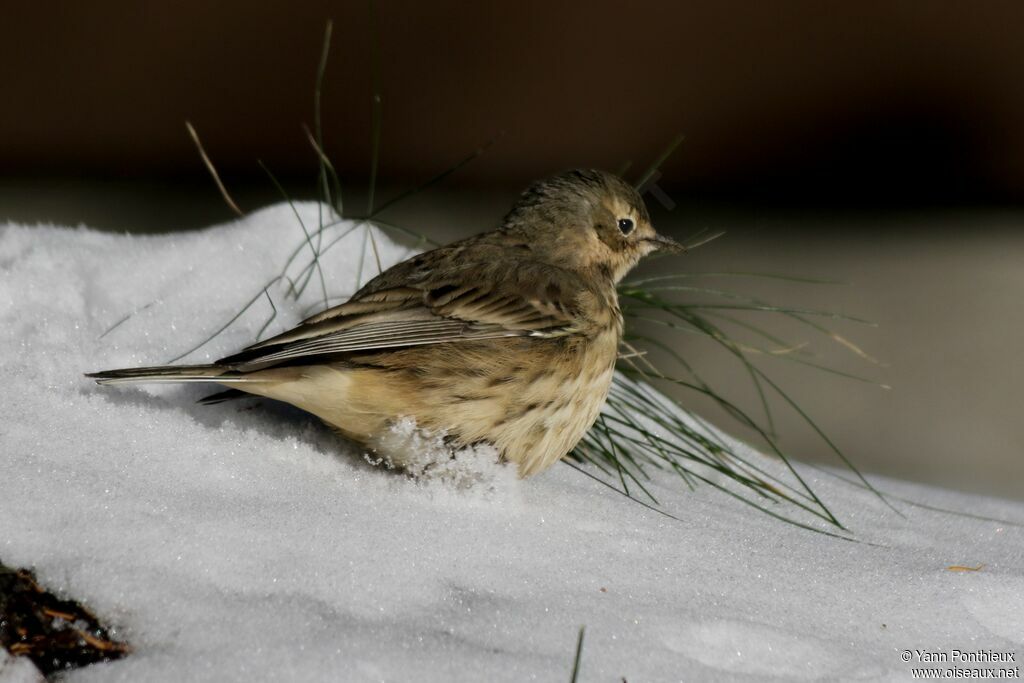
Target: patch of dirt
56, 634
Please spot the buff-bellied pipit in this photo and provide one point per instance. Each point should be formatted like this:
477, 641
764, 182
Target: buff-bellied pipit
509, 337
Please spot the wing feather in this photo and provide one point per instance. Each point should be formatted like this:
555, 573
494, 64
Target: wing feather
380, 336
427, 310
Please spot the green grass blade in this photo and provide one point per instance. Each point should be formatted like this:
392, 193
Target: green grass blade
578, 658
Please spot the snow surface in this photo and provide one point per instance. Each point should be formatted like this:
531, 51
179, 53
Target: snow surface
243, 541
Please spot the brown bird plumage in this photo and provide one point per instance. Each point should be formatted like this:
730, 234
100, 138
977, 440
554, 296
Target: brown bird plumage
509, 337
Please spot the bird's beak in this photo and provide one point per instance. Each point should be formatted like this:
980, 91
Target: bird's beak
662, 243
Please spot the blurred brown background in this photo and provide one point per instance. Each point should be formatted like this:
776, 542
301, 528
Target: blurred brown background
876, 142
901, 101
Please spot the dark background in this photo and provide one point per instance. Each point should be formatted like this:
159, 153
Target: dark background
878, 143
799, 102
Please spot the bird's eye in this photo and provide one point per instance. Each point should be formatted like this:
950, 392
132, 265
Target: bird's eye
626, 225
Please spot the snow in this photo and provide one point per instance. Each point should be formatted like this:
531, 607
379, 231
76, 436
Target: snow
18, 669
243, 541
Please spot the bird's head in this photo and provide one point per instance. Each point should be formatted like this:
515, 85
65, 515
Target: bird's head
587, 221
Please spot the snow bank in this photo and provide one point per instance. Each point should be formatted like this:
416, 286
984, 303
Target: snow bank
242, 541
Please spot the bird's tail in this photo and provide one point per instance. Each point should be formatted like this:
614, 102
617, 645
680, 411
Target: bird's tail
171, 373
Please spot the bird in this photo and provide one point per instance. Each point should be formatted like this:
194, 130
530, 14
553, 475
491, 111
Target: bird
507, 338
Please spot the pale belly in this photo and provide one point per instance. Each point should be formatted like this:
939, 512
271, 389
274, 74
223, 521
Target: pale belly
541, 437
532, 399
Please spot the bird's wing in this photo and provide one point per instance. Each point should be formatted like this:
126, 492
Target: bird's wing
505, 300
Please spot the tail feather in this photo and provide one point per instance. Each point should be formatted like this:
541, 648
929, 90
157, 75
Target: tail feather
170, 373
222, 396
